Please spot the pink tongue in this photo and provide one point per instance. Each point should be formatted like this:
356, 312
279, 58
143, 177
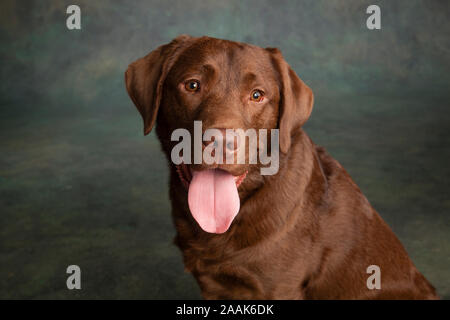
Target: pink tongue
213, 199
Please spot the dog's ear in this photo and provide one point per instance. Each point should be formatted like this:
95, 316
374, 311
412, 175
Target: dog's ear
145, 77
296, 100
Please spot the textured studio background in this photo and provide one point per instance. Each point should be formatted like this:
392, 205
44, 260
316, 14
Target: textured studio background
80, 184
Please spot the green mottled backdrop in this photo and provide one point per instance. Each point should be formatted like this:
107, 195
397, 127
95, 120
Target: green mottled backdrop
80, 184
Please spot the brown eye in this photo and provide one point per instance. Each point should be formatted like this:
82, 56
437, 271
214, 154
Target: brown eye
257, 96
192, 85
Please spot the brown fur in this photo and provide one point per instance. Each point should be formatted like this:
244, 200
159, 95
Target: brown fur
305, 233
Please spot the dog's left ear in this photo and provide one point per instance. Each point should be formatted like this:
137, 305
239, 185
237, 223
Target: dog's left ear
296, 101
145, 77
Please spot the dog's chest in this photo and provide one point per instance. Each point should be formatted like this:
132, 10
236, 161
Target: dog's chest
243, 277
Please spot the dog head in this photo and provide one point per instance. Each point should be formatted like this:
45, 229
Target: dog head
230, 88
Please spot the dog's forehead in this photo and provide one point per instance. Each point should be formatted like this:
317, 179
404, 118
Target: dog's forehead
224, 55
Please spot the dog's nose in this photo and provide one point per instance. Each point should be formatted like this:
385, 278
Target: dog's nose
227, 138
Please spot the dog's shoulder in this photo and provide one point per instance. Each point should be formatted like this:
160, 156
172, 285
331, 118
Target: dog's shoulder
330, 166
345, 192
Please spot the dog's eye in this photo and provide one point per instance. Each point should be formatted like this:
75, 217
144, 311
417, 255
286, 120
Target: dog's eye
257, 96
192, 85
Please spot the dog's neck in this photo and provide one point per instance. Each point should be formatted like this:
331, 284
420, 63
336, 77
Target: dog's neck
300, 173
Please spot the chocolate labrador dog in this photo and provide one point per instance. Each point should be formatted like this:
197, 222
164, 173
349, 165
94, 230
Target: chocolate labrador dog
305, 232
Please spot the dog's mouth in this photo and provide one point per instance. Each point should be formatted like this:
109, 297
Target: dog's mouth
212, 196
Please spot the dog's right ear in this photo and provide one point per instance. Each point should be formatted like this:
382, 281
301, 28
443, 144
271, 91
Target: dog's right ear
145, 77
296, 102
